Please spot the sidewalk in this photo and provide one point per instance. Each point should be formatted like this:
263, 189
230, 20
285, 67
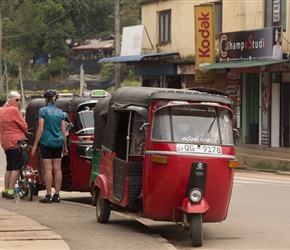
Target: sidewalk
20, 232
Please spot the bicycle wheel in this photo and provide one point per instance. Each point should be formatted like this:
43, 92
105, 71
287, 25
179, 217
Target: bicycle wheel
30, 191
22, 185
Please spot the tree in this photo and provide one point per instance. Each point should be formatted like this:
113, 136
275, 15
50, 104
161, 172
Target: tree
38, 28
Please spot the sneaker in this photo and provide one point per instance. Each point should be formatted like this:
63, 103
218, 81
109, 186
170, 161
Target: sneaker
4, 194
56, 198
46, 199
10, 196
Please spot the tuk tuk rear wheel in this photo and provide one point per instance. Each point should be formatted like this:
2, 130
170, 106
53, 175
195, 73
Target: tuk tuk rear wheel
196, 230
103, 209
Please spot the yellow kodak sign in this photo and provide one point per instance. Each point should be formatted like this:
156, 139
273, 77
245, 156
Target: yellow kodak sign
204, 41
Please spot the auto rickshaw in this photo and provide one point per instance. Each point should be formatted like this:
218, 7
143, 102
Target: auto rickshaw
167, 155
76, 166
100, 120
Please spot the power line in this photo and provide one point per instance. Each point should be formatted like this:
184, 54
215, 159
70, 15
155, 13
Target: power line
32, 31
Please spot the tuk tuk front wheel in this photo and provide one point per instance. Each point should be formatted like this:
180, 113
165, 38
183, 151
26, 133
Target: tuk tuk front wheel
196, 230
103, 209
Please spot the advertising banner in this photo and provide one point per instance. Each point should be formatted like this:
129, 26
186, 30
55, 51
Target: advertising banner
251, 45
204, 41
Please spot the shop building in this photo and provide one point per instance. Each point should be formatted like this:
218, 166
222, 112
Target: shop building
191, 44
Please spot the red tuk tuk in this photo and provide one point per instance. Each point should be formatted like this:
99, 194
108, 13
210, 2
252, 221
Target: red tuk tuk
76, 166
168, 155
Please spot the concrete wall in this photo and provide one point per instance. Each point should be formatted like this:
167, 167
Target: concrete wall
243, 15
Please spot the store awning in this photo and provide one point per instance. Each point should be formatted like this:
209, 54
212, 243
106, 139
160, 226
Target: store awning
241, 64
139, 58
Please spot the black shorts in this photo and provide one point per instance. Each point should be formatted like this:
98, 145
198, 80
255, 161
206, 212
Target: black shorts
14, 159
50, 153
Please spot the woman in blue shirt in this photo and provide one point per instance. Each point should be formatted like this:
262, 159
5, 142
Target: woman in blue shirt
51, 139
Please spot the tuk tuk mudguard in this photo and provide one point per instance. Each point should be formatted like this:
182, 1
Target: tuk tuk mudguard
101, 183
189, 207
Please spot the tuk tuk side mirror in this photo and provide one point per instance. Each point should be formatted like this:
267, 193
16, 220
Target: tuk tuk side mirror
137, 131
237, 136
144, 125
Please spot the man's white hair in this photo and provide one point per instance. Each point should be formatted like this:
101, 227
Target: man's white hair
13, 94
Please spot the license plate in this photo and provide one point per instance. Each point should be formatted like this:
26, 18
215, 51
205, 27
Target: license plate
204, 149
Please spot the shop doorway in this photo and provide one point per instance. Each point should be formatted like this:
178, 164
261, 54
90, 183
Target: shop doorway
285, 109
250, 108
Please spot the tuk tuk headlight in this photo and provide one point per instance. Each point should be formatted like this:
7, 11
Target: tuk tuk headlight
195, 195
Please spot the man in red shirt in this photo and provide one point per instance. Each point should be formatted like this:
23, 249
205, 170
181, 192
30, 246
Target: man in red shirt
12, 128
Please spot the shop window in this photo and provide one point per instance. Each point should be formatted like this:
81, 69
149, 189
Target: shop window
165, 26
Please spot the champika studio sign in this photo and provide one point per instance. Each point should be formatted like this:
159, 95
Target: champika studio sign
204, 41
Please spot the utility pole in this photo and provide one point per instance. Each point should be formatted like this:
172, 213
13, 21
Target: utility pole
117, 44
21, 87
1, 76
82, 82
6, 79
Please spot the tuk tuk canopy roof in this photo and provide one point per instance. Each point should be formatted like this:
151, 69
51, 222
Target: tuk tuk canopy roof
144, 96
139, 99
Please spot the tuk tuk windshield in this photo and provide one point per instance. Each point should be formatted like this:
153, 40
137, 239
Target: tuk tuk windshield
84, 122
199, 124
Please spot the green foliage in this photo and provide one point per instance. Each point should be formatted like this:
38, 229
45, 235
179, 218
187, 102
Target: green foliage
39, 72
13, 83
107, 70
2, 96
58, 65
33, 29
131, 83
125, 83
42, 75
104, 34
267, 166
128, 73
130, 12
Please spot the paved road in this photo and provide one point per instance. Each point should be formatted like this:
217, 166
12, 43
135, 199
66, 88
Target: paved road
258, 218
77, 224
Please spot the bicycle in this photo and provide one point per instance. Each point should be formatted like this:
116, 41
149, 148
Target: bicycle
27, 176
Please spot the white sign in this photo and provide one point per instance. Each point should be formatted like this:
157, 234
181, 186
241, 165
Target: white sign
185, 69
132, 40
233, 90
276, 10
